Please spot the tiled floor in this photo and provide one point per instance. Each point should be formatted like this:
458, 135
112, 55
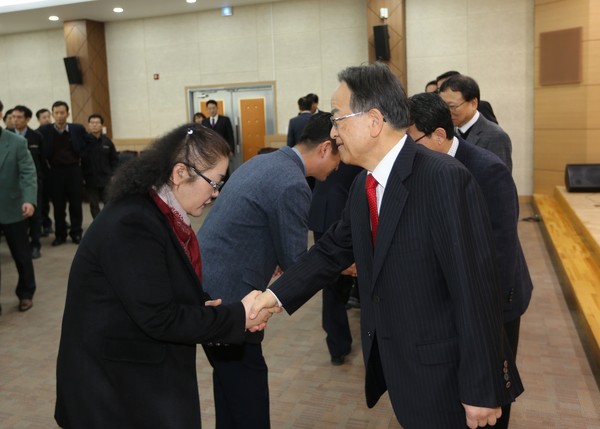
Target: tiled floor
306, 391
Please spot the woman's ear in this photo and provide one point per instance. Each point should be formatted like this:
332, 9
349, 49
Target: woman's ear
179, 173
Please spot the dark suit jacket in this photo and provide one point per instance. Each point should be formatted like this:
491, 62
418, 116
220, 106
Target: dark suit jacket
133, 315
329, 197
224, 128
431, 318
296, 126
78, 139
35, 144
501, 197
490, 136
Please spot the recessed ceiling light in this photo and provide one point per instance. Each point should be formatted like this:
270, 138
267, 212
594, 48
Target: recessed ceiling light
118, 10
53, 18
191, 1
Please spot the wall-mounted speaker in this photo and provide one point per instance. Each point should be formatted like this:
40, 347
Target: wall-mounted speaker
73, 72
381, 38
582, 177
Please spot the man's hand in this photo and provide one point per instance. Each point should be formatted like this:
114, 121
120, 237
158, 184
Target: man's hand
350, 271
256, 318
481, 416
213, 302
262, 301
27, 210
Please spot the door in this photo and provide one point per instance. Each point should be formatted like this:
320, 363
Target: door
251, 109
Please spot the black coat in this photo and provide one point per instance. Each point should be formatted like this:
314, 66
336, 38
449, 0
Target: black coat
133, 316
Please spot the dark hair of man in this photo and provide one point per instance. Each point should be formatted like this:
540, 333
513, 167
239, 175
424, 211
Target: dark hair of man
374, 86
1, 106
431, 82
199, 115
39, 112
446, 75
211, 102
96, 115
190, 144
429, 111
304, 103
313, 98
318, 130
8, 112
60, 103
26, 111
464, 84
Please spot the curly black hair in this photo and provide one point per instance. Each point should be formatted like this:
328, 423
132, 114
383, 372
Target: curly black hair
190, 144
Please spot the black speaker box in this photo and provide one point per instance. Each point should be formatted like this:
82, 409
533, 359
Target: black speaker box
382, 42
582, 177
73, 72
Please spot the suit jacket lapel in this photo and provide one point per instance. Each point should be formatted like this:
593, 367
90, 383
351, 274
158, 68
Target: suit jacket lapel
392, 205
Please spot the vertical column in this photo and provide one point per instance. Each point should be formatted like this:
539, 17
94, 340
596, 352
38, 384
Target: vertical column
85, 40
396, 23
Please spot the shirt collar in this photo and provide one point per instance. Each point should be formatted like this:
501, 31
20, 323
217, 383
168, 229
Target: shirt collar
469, 124
59, 131
454, 147
382, 171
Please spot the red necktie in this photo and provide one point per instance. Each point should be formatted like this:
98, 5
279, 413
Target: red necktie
372, 200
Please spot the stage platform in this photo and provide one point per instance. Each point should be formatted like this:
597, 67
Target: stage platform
571, 222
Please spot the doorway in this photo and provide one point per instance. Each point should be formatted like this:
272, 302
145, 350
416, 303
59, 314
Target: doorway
251, 109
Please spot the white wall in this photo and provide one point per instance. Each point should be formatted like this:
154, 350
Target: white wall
301, 45
32, 71
491, 41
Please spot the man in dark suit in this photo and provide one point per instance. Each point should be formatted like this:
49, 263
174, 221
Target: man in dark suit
35, 143
221, 124
431, 319
432, 126
18, 197
258, 223
461, 94
64, 145
328, 201
484, 107
297, 123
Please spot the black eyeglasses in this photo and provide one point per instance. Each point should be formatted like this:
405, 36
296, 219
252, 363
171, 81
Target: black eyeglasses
216, 186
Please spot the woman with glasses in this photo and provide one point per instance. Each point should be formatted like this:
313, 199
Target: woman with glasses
135, 307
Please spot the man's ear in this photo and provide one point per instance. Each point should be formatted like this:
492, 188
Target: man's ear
440, 135
324, 148
376, 121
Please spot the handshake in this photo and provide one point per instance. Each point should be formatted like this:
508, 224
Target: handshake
259, 306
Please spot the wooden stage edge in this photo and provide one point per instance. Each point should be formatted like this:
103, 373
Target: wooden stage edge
571, 226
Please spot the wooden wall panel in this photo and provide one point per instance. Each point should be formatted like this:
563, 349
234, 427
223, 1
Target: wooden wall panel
593, 107
544, 182
560, 107
556, 148
397, 31
85, 39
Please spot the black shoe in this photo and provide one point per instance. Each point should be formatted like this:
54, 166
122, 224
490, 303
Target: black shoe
58, 241
353, 302
338, 360
47, 230
35, 253
76, 239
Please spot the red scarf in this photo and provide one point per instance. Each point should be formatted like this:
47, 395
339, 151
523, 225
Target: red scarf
183, 231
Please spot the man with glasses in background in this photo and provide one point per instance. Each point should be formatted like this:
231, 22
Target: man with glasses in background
461, 94
258, 223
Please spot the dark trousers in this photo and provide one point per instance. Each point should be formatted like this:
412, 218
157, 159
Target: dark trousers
512, 335
67, 187
45, 204
35, 221
95, 195
335, 316
18, 243
240, 385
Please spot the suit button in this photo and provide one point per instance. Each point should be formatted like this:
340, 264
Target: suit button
506, 377
369, 334
508, 384
505, 364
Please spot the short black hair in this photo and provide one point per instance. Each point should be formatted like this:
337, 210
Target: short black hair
466, 85
25, 110
1, 106
304, 103
428, 111
431, 82
199, 115
318, 130
39, 112
446, 75
212, 102
313, 98
96, 115
8, 112
60, 103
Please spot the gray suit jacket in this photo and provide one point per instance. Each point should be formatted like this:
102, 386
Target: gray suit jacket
486, 134
18, 179
258, 221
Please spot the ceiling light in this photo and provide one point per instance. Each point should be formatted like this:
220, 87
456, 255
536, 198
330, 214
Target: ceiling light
118, 10
53, 18
227, 11
191, 1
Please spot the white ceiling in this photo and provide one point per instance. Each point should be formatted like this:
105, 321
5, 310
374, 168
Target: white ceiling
36, 17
